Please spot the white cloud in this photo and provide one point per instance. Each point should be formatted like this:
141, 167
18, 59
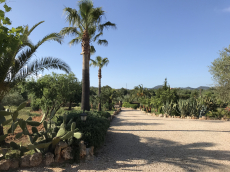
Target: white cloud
226, 9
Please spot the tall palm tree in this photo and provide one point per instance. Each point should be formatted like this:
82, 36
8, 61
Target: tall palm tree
99, 62
84, 24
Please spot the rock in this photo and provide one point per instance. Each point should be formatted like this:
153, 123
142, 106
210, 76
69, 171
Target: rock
61, 145
36, 159
4, 164
25, 161
89, 153
91, 150
160, 115
49, 158
14, 163
82, 149
66, 153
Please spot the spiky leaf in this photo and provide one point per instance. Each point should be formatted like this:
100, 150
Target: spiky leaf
33, 123
22, 124
29, 119
55, 141
68, 135
19, 135
13, 127
77, 135
52, 114
4, 113
35, 138
43, 118
25, 131
14, 145
73, 126
2, 119
15, 115
34, 130
2, 137
39, 146
64, 118
30, 138
45, 125
61, 131
7, 122
21, 106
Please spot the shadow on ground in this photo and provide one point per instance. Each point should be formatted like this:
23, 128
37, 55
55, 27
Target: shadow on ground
122, 149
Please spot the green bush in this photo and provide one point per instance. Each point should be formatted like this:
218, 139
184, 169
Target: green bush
128, 105
106, 106
94, 128
218, 114
12, 99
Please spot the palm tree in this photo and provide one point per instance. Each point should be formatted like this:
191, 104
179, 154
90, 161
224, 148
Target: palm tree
83, 25
99, 62
15, 65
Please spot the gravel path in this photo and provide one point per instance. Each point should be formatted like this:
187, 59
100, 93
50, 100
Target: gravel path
138, 142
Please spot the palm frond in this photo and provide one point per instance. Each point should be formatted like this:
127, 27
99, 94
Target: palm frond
31, 30
93, 63
39, 65
50, 37
99, 62
69, 31
75, 41
92, 50
96, 15
102, 42
97, 36
105, 61
21, 60
106, 25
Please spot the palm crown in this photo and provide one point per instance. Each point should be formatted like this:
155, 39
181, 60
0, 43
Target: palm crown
15, 65
87, 19
99, 62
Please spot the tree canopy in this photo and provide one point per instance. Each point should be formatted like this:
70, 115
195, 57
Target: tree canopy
220, 70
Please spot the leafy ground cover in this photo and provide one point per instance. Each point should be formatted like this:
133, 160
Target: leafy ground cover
36, 116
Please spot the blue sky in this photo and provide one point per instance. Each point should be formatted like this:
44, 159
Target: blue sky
154, 39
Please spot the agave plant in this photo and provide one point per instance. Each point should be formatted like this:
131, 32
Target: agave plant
195, 107
168, 107
183, 106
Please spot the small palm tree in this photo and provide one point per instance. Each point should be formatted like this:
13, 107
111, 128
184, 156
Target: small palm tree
99, 62
85, 23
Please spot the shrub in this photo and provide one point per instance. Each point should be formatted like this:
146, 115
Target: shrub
12, 99
128, 105
35, 105
106, 106
94, 128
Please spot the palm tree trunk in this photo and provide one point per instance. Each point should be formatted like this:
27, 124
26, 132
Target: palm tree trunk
85, 72
99, 88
